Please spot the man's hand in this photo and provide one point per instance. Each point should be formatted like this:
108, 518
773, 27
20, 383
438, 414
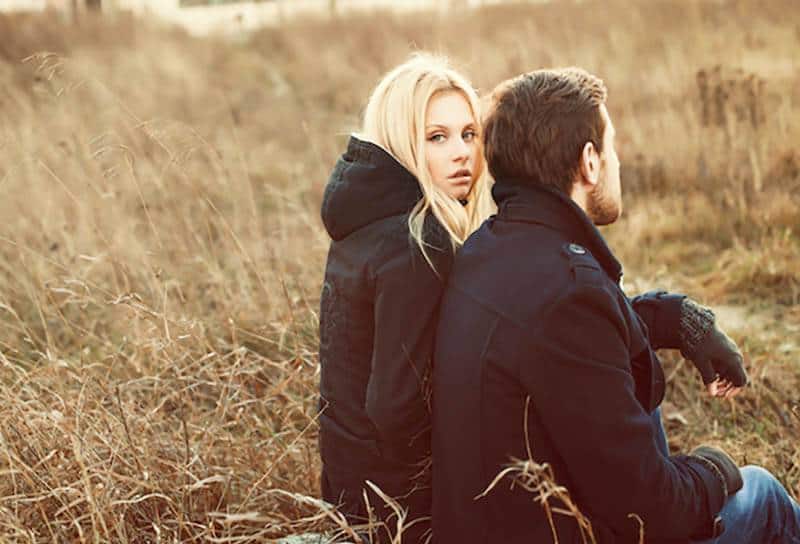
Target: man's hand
726, 468
720, 364
713, 353
723, 388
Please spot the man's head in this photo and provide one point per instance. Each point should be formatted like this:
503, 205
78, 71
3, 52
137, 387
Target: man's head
552, 128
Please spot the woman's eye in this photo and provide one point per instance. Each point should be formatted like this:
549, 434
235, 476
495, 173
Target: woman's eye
469, 135
436, 138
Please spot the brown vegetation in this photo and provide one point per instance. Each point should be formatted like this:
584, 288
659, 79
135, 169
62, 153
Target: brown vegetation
161, 253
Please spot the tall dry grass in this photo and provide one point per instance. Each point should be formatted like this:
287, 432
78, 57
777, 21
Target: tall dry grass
161, 255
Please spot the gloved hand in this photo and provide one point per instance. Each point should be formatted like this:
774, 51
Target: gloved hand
713, 353
728, 471
718, 356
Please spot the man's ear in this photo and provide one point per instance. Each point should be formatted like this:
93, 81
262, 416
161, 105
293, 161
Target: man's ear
590, 164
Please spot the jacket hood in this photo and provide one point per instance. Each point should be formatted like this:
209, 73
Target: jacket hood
366, 185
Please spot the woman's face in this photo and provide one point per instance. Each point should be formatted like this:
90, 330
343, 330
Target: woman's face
451, 143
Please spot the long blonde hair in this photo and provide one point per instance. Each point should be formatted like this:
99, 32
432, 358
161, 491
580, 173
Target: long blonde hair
395, 120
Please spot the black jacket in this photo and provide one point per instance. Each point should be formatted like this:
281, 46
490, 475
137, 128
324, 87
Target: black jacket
533, 310
378, 316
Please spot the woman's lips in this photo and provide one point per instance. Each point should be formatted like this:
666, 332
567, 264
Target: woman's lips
461, 177
461, 180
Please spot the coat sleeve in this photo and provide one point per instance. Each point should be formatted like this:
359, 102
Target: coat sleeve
408, 292
578, 375
661, 313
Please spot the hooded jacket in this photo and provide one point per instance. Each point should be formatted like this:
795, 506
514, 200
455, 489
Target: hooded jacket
378, 314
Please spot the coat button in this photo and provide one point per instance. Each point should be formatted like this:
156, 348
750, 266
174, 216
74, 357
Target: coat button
577, 249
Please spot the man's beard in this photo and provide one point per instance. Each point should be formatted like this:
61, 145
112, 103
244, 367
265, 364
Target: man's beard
601, 207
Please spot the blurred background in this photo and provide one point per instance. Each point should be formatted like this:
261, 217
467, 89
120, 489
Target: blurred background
231, 16
162, 166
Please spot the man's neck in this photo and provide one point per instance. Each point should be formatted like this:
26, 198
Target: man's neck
580, 196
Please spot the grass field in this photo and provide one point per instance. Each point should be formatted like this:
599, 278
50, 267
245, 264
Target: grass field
161, 252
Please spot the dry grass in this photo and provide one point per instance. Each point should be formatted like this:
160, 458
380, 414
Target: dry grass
161, 255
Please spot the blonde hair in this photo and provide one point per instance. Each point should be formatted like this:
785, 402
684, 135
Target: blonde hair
395, 120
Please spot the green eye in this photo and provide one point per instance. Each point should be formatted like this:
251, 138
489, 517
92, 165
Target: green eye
436, 138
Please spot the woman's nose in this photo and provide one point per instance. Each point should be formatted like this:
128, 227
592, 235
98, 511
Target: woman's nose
461, 150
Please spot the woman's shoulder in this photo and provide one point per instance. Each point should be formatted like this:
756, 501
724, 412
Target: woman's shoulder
399, 253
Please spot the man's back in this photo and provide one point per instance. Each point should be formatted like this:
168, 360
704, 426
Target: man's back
531, 318
478, 412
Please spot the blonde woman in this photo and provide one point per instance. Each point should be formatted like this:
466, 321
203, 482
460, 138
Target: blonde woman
409, 189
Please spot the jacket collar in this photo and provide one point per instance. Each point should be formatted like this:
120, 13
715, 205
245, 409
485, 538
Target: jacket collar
528, 203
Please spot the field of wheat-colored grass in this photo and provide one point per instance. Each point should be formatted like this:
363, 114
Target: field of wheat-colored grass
161, 252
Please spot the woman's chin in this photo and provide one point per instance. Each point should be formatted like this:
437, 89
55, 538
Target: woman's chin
459, 193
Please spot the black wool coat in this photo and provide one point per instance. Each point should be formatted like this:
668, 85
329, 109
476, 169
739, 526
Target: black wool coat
534, 317
378, 315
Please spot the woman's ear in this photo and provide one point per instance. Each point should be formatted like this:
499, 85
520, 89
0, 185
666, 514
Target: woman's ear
590, 164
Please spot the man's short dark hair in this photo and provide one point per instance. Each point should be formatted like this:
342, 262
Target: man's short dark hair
538, 123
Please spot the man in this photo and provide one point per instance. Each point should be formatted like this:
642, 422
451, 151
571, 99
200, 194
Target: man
540, 354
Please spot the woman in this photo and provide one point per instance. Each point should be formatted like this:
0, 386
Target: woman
404, 196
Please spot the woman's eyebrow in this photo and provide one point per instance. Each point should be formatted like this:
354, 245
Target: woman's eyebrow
438, 125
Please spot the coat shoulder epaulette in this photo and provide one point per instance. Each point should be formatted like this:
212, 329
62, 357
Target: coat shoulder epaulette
583, 266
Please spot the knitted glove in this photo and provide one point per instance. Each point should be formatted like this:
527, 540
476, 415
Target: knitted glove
713, 353
721, 464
